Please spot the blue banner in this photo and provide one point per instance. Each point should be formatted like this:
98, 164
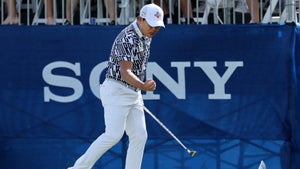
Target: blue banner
214, 82
296, 116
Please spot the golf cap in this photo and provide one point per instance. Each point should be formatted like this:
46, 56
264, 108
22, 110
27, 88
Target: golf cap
153, 14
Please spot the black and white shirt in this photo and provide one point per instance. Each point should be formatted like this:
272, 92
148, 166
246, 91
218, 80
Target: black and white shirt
130, 45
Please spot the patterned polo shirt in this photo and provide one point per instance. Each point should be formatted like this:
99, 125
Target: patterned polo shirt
130, 45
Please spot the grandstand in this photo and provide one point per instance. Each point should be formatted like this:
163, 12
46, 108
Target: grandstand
32, 12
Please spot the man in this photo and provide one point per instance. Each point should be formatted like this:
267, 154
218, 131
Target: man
121, 91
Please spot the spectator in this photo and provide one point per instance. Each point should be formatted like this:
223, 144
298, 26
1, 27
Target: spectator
50, 17
109, 3
253, 7
186, 9
69, 20
12, 16
110, 6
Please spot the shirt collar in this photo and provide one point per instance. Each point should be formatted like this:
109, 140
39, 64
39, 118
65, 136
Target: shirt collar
137, 30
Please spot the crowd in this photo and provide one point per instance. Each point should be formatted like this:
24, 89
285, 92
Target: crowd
71, 7
185, 14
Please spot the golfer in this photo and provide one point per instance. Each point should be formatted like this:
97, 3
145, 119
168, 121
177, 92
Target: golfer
121, 91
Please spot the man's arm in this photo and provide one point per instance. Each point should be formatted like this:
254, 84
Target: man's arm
129, 77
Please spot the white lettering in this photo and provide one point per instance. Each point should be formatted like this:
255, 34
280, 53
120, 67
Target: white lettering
95, 78
62, 81
178, 89
218, 81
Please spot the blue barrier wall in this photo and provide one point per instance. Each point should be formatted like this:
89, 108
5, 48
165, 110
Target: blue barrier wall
296, 122
228, 91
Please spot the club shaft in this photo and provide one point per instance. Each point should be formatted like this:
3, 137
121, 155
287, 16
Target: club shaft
163, 126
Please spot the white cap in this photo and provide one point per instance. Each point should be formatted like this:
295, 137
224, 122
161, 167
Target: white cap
153, 14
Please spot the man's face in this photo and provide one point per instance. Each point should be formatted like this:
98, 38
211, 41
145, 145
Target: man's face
146, 29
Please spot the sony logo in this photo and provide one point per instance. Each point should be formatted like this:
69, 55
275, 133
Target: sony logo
176, 87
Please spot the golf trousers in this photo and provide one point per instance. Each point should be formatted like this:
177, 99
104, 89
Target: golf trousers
123, 112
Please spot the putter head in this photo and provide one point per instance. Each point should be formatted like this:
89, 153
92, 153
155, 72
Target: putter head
192, 153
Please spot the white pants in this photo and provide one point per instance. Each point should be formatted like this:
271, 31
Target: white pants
123, 111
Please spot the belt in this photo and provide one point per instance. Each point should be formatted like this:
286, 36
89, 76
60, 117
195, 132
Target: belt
124, 84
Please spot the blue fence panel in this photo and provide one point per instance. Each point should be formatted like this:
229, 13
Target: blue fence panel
226, 91
296, 116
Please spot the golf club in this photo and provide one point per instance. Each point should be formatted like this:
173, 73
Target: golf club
191, 153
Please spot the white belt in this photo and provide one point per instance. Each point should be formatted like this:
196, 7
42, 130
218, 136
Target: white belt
124, 84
